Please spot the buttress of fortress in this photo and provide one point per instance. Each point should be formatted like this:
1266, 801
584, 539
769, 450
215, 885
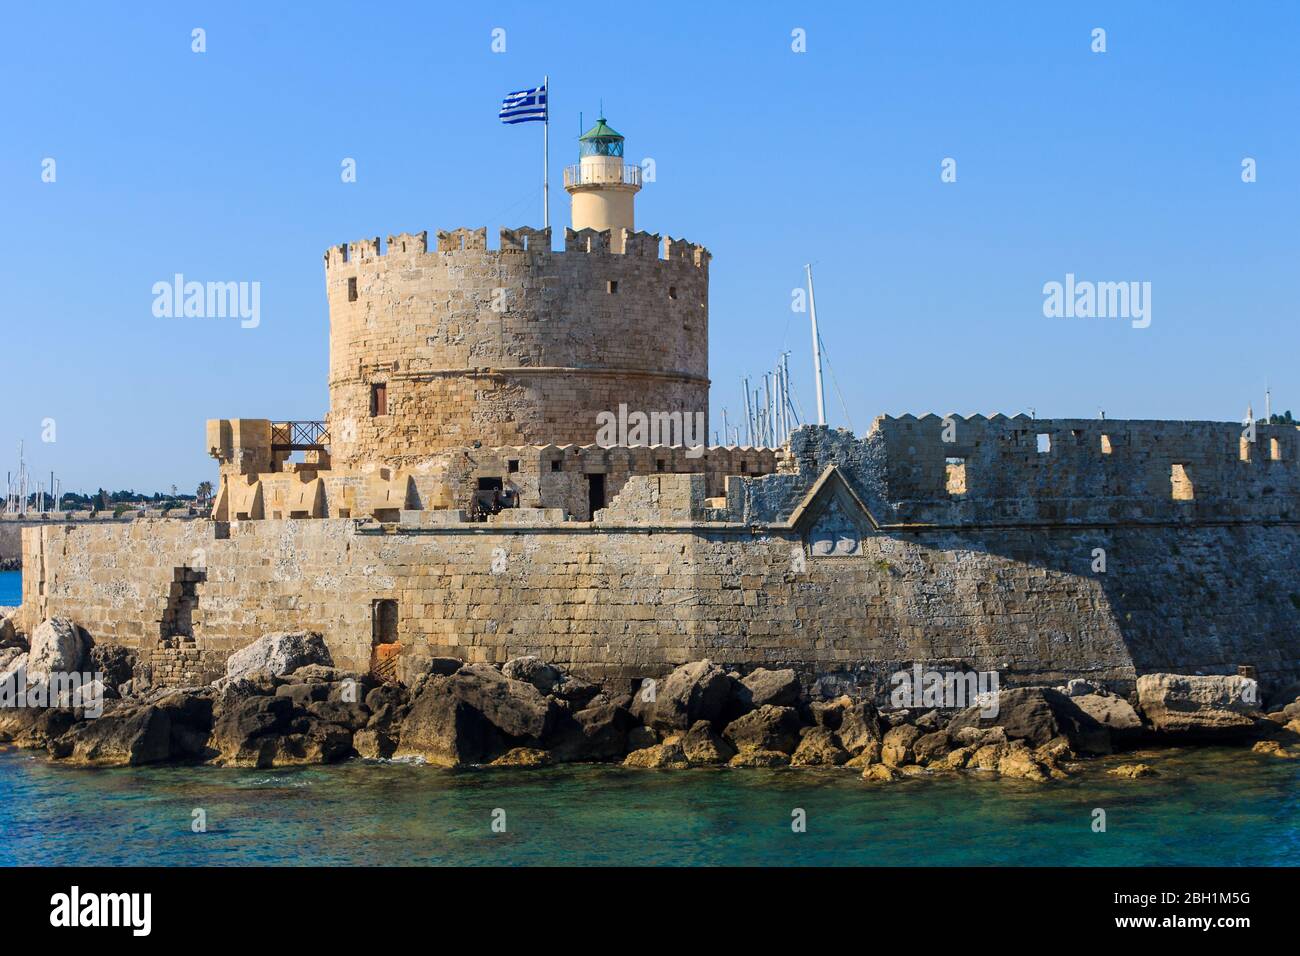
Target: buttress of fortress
438, 349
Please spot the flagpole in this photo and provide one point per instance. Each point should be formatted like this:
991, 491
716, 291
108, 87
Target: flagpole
546, 156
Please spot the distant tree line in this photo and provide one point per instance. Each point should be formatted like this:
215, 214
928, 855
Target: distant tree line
120, 501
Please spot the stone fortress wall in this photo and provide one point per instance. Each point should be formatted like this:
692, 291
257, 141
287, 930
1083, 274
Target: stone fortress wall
258, 484
513, 346
825, 565
1042, 550
11, 526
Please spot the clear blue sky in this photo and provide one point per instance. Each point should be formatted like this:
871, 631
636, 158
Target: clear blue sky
225, 166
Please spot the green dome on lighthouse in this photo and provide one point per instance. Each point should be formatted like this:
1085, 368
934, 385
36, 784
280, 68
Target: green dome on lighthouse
600, 140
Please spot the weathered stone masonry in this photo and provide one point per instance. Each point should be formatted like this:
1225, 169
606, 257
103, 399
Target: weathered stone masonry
808, 567
466, 381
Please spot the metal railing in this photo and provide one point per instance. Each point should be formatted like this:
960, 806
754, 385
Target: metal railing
299, 436
579, 175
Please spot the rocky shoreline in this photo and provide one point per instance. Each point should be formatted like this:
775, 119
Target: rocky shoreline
283, 703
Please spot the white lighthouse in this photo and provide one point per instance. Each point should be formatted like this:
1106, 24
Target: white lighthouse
603, 188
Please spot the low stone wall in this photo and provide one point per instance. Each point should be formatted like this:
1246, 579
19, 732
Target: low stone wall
634, 600
11, 529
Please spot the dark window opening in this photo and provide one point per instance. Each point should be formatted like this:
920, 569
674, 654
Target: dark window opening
383, 622
378, 399
384, 645
672, 292
612, 286
352, 289
556, 465
595, 494
512, 465
660, 464
490, 484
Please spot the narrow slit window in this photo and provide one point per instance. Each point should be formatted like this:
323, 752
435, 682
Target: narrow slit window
1181, 484
352, 289
1244, 449
1274, 449
378, 399
611, 286
1044, 443
1106, 448
672, 292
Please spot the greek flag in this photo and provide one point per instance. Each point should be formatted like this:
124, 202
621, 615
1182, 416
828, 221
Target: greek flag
525, 106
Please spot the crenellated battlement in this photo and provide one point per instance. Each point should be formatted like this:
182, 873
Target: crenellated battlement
977, 469
627, 242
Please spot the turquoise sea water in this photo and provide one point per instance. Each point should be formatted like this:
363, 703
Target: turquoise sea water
1216, 806
1207, 807
11, 588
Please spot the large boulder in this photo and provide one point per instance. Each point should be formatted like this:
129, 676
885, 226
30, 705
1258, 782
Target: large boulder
303, 694
899, 746
190, 716
703, 745
1019, 761
760, 759
246, 732
820, 747
311, 742
533, 670
576, 691
597, 732
762, 686
858, 727
693, 692
768, 728
351, 717
269, 731
87, 699
126, 736
1209, 706
1037, 715
11, 658
279, 654
371, 744
388, 705
1111, 711
515, 708
58, 646
34, 727
115, 662
8, 633
659, 757
447, 731
523, 757
931, 748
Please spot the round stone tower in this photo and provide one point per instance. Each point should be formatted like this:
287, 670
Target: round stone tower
603, 189
458, 345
